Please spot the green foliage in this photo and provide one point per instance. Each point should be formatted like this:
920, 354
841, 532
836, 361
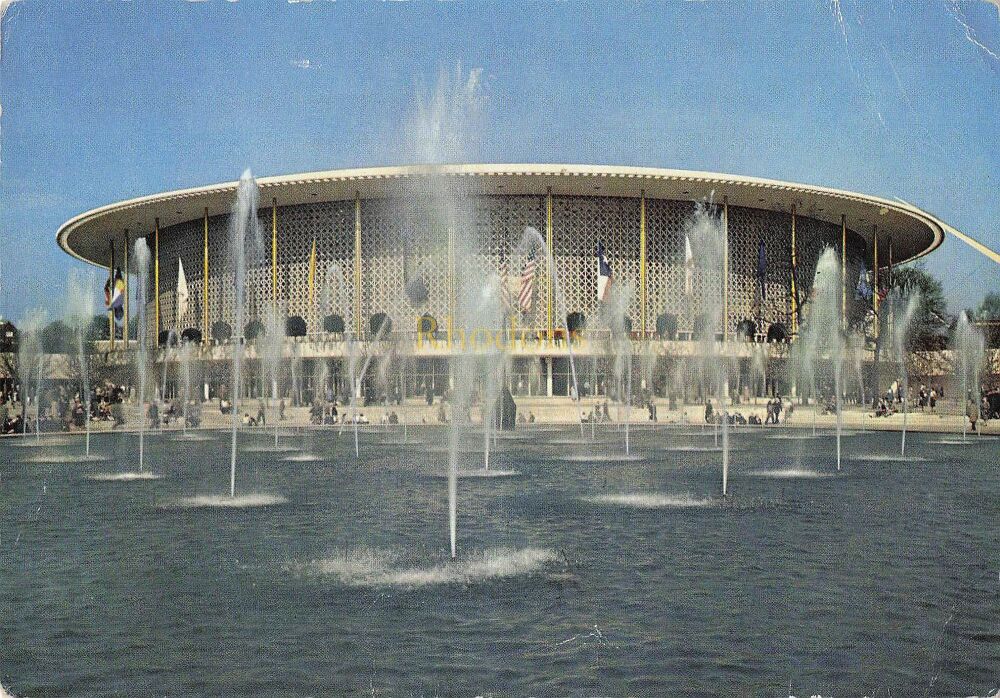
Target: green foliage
98, 328
989, 309
57, 338
988, 313
932, 322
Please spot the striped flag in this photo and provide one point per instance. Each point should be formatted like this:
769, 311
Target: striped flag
863, 291
603, 274
526, 297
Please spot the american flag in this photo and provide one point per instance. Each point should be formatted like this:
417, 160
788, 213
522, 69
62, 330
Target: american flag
527, 295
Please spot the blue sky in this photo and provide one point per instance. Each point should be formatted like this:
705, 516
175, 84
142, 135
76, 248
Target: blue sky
105, 100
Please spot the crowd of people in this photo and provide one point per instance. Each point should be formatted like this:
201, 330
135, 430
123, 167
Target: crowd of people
65, 411
775, 406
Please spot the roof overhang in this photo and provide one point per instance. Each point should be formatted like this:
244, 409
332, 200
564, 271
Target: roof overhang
914, 232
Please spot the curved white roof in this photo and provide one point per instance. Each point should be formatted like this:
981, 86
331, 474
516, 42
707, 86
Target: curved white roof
914, 232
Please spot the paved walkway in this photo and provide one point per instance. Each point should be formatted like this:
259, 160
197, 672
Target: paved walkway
945, 418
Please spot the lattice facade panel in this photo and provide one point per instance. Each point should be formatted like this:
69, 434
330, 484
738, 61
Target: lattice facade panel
331, 225
499, 227
665, 279
749, 299
578, 225
404, 240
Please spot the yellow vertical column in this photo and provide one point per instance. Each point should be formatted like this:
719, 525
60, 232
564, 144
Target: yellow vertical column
875, 277
204, 282
357, 263
843, 272
795, 305
125, 323
156, 279
274, 252
642, 264
549, 273
725, 268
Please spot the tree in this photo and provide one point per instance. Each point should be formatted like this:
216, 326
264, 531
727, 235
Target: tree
988, 315
57, 338
97, 329
932, 322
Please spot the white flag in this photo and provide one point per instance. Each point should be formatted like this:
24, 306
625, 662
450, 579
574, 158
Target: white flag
688, 265
182, 291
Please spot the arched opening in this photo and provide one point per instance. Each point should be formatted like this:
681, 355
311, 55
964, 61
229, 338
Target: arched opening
777, 333
666, 326
191, 335
700, 328
576, 322
380, 323
416, 291
221, 331
253, 330
746, 330
333, 324
167, 338
295, 326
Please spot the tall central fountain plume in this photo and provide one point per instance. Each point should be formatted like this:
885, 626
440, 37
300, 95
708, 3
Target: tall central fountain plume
445, 127
821, 341
707, 237
244, 248
140, 253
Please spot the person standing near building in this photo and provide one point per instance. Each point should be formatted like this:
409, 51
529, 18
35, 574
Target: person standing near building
972, 412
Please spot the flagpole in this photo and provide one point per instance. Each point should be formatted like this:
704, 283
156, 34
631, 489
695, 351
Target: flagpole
274, 251
725, 269
126, 255
843, 272
549, 256
888, 284
875, 278
312, 279
111, 294
795, 301
357, 267
156, 279
204, 283
642, 263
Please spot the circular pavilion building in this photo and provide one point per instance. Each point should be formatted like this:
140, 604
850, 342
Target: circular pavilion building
383, 253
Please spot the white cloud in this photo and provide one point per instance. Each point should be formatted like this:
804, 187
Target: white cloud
304, 64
